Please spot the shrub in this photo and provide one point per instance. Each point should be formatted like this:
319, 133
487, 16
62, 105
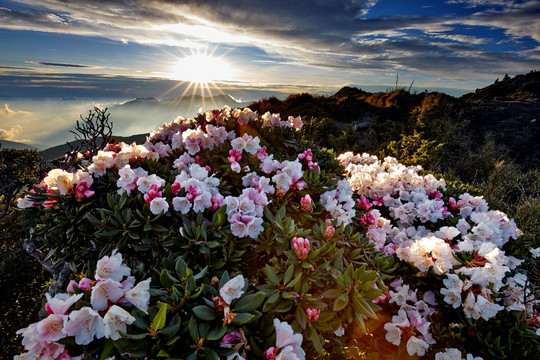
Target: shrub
230, 236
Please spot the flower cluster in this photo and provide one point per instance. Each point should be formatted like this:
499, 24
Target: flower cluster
465, 251
411, 321
112, 289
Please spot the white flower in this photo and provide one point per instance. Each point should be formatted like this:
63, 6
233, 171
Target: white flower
448, 354
182, 204
535, 252
144, 183
232, 289
139, 295
287, 339
24, 202
340, 331
157, 205
116, 321
104, 291
85, 324
416, 346
393, 333
282, 180
112, 267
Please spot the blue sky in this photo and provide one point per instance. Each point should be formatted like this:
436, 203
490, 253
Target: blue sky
121, 49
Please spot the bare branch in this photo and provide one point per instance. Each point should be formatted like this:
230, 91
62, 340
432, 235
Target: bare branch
60, 275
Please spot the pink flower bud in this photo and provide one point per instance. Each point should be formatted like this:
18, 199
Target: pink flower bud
329, 232
270, 354
301, 247
312, 314
305, 203
71, 286
84, 284
175, 187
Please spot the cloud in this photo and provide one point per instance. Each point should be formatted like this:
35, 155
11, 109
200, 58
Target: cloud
6, 112
328, 35
62, 65
11, 133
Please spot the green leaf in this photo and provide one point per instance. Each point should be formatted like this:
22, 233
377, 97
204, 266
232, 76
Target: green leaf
107, 349
193, 331
301, 317
249, 302
219, 216
163, 353
366, 309
316, 341
284, 306
280, 214
341, 302
242, 318
332, 293
288, 274
210, 354
295, 281
216, 333
167, 279
160, 318
271, 275
205, 313
181, 267
273, 298
174, 326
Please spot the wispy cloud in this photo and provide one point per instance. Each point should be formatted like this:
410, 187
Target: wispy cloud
331, 35
60, 64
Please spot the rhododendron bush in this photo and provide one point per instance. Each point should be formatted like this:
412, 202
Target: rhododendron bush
228, 236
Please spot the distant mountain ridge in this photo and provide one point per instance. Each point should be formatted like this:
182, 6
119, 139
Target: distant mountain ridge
6, 144
500, 120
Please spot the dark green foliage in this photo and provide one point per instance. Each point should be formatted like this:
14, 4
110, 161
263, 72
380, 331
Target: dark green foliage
22, 277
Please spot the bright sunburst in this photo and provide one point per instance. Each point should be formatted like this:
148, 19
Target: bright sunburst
201, 68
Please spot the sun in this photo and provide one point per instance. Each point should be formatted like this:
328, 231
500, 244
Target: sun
201, 68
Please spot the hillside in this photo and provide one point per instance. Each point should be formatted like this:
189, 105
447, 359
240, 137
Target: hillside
464, 137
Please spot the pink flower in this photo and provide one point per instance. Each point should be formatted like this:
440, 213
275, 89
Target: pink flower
301, 247
60, 303
217, 201
175, 187
234, 155
52, 328
312, 314
364, 203
261, 153
378, 201
305, 203
82, 190
152, 194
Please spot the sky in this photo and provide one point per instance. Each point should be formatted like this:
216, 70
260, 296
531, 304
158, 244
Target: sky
57, 57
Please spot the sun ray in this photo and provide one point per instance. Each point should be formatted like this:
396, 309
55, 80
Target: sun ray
202, 71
